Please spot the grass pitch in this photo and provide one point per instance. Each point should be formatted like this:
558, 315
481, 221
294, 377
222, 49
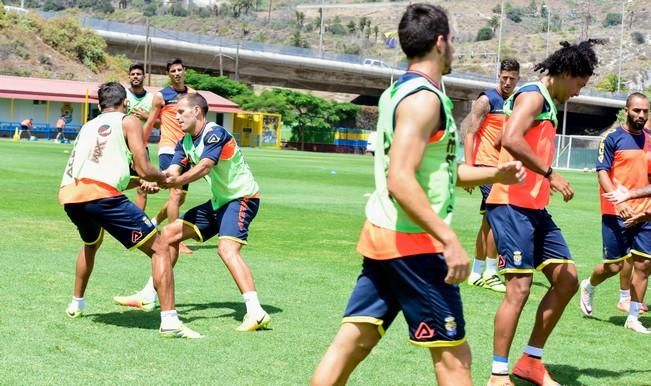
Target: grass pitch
302, 255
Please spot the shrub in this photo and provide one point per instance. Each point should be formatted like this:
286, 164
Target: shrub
338, 29
484, 33
515, 14
638, 37
68, 37
612, 19
149, 10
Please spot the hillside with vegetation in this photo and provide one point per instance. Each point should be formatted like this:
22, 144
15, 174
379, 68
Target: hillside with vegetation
58, 49
369, 31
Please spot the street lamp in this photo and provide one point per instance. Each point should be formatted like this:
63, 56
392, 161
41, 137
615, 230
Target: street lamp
499, 41
549, 18
621, 45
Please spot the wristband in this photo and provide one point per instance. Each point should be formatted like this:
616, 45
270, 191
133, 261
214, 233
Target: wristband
548, 173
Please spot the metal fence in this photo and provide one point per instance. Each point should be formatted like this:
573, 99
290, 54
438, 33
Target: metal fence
576, 151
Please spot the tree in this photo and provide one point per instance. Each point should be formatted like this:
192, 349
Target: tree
220, 85
485, 33
362, 23
351, 26
514, 14
240, 7
532, 8
494, 23
300, 19
376, 31
609, 84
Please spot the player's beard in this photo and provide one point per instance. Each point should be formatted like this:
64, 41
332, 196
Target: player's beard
635, 124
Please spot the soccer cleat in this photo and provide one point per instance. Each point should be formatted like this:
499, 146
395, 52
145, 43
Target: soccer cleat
585, 298
636, 325
532, 370
494, 283
74, 312
476, 279
135, 301
181, 332
625, 305
253, 324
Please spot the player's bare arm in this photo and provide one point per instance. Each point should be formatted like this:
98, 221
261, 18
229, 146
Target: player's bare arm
508, 173
472, 122
528, 106
133, 132
196, 172
417, 118
156, 106
623, 210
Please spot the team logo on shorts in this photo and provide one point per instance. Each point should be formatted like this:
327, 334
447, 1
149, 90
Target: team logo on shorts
424, 331
501, 263
450, 326
135, 236
517, 258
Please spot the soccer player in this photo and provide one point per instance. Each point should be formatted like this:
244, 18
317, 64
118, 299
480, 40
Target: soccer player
525, 234
164, 107
214, 156
27, 125
61, 124
91, 193
413, 261
139, 103
483, 129
623, 156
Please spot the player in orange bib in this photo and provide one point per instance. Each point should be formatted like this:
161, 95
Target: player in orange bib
527, 238
164, 107
483, 129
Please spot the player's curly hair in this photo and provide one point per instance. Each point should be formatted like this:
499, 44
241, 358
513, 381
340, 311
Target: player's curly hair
573, 59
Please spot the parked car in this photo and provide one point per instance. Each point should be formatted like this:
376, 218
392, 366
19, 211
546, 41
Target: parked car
375, 62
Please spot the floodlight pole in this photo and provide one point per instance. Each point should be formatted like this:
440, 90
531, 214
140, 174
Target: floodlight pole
321, 10
499, 41
621, 46
549, 18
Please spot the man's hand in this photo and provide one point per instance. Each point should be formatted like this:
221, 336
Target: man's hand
141, 114
511, 172
624, 211
149, 187
637, 218
618, 195
457, 261
559, 184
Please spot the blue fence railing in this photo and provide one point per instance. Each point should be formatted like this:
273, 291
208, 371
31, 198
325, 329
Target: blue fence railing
40, 130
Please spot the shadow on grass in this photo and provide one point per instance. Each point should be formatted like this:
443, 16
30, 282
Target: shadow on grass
151, 320
618, 320
568, 375
203, 246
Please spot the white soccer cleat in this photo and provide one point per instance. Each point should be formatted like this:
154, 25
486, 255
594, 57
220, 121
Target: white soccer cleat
254, 324
183, 332
636, 325
585, 298
494, 283
476, 279
74, 312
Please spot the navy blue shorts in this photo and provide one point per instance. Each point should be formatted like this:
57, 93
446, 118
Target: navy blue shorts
526, 239
415, 286
485, 191
230, 221
120, 217
164, 162
619, 242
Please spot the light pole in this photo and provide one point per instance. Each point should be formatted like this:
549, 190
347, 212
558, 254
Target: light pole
321, 10
499, 41
621, 45
549, 18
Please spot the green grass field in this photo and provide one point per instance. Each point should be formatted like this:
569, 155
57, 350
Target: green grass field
303, 258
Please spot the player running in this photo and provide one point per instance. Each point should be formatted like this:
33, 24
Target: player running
483, 129
214, 156
413, 261
91, 193
526, 236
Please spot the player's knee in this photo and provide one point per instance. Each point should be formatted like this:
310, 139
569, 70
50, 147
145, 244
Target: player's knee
614, 268
227, 252
518, 292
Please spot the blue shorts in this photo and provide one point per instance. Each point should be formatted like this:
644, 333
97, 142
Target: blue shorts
619, 242
485, 191
119, 216
526, 239
230, 221
415, 286
164, 162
